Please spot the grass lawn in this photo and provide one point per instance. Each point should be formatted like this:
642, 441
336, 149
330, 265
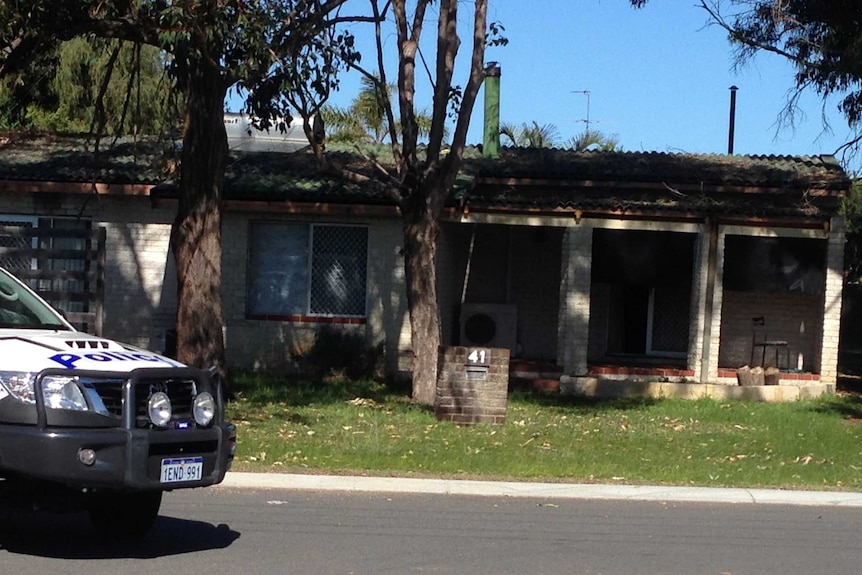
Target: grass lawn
341, 427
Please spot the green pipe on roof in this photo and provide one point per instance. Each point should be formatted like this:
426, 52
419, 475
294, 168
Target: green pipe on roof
491, 140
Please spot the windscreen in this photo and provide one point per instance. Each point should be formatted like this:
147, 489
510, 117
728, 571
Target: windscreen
21, 308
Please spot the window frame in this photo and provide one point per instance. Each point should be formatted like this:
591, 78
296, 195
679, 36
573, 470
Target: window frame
307, 315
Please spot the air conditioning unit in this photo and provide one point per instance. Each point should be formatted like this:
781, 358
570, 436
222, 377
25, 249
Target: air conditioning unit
489, 325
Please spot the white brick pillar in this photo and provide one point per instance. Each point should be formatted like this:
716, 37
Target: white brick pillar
832, 302
704, 331
573, 331
699, 279
717, 303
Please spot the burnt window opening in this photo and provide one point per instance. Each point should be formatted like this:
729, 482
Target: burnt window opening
774, 265
646, 278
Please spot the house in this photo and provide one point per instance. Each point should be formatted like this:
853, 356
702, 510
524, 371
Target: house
614, 272
673, 267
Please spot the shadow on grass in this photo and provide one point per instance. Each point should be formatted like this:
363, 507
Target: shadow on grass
848, 401
266, 389
850, 383
525, 393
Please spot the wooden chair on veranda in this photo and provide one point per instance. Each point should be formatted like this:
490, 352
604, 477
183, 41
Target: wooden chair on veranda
760, 340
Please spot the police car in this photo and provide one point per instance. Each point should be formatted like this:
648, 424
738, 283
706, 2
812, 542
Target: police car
89, 423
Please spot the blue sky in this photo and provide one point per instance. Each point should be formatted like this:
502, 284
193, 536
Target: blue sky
658, 79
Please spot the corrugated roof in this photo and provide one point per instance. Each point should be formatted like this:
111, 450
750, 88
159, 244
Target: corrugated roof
521, 179
297, 178
58, 158
710, 169
548, 179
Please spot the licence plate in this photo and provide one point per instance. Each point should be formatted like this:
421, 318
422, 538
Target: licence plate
182, 469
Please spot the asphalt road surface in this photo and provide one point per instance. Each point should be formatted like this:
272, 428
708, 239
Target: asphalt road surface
267, 532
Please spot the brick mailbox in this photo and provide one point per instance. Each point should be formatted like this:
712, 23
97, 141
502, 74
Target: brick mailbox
472, 384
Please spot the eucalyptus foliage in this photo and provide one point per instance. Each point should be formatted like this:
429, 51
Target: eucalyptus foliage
276, 51
59, 90
821, 38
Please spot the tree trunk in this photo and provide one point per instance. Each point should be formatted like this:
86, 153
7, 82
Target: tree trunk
420, 248
196, 234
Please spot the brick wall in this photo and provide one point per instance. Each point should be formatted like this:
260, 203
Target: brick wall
600, 296
388, 315
140, 303
271, 344
234, 233
809, 323
534, 288
453, 249
140, 280
517, 265
788, 316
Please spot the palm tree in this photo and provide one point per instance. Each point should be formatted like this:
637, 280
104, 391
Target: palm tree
531, 136
593, 140
547, 136
365, 120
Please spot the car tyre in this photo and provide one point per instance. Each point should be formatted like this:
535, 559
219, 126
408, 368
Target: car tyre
124, 515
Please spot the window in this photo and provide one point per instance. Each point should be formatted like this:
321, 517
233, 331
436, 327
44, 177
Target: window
70, 245
646, 282
774, 265
56, 257
307, 270
9, 238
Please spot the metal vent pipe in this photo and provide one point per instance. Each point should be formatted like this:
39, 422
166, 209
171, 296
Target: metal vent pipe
732, 127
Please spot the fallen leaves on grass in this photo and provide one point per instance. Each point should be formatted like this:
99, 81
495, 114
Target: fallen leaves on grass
363, 402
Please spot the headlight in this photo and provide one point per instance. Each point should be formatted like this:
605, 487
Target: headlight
159, 408
62, 392
204, 409
19, 384
59, 391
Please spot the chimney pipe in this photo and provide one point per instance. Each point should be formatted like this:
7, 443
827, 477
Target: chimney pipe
732, 127
491, 138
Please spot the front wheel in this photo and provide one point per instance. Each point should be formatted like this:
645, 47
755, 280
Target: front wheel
124, 515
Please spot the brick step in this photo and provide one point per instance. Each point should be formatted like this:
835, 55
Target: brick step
785, 375
529, 369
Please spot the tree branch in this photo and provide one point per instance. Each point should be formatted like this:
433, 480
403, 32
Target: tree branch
448, 43
477, 76
737, 36
387, 101
99, 120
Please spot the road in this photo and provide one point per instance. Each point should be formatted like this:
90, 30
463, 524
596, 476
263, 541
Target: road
267, 532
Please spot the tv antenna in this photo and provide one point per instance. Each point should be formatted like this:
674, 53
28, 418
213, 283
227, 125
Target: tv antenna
587, 94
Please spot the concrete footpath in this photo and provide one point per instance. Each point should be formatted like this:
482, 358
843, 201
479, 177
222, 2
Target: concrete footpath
540, 490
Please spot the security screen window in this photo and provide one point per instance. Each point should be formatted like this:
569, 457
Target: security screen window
66, 254
297, 269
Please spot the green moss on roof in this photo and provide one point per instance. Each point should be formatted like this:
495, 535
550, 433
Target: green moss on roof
631, 182
713, 169
521, 178
64, 158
